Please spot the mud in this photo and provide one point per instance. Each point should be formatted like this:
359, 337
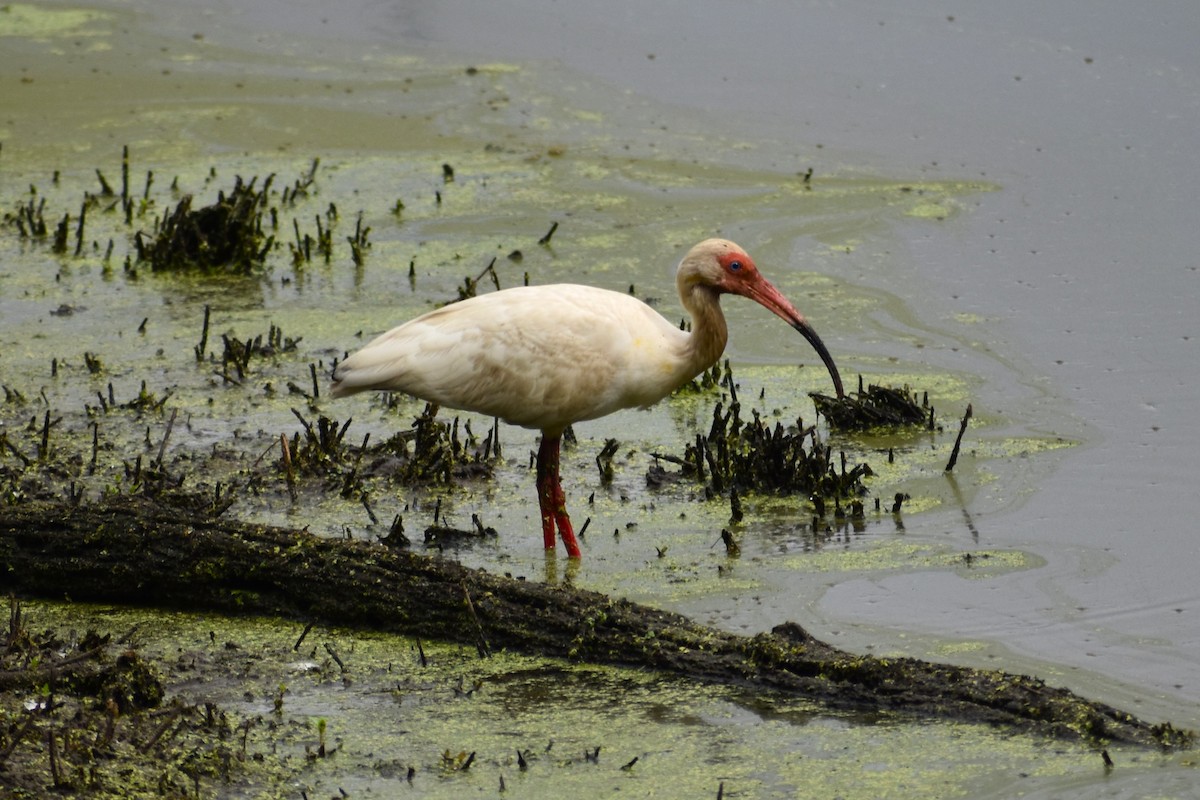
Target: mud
98, 704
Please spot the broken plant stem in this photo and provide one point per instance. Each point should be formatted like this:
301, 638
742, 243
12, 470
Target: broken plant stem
162, 448
962, 428
203, 346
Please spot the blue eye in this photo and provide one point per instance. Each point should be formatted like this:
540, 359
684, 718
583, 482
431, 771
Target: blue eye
735, 265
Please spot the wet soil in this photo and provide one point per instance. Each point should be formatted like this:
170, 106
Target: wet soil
172, 555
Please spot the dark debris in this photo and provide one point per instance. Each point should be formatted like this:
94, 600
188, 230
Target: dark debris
877, 407
226, 236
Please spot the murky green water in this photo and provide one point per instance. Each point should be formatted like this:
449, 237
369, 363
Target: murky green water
589, 730
631, 185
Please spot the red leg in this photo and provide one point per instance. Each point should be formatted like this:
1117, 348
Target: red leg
545, 488
551, 498
564, 522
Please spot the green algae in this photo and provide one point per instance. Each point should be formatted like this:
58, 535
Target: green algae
29, 21
284, 296
616, 231
396, 714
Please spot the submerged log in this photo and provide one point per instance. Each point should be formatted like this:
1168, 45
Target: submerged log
142, 552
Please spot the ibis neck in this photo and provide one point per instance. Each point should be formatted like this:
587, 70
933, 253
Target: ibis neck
709, 333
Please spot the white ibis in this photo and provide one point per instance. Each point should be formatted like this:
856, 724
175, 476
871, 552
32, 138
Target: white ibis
547, 356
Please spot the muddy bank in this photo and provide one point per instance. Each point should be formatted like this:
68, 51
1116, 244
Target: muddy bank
170, 555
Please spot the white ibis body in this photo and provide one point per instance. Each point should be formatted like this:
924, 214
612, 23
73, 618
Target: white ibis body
547, 356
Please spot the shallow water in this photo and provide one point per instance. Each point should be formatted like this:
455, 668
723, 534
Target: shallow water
982, 223
1079, 275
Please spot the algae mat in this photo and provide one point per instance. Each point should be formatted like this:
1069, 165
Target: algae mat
631, 185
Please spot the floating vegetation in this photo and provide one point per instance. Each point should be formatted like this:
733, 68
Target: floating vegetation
238, 352
877, 407
302, 248
146, 400
962, 429
358, 242
240, 234
29, 219
226, 236
85, 717
61, 233
604, 461
739, 456
545, 240
236, 235
229, 443
318, 452
470, 287
716, 376
432, 451
442, 535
